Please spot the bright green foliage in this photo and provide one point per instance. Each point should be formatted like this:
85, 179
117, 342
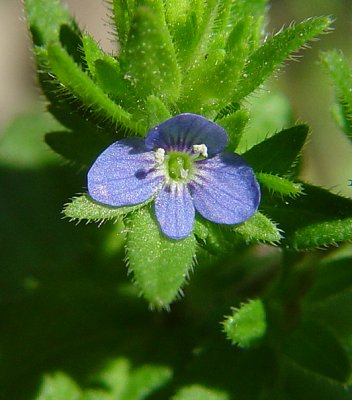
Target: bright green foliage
198, 392
267, 58
259, 228
277, 154
148, 62
247, 324
341, 74
122, 15
280, 185
45, 26
72, 77
84, 208
160, 265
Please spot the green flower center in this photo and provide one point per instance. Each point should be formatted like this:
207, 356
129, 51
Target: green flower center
179, 166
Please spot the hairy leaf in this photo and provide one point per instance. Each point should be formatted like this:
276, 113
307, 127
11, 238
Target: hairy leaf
160, 265
234, 125
81, 86
259, 228
316, 219
280, 185
247, 324
277, 154
85, 208
148, 60
267, 58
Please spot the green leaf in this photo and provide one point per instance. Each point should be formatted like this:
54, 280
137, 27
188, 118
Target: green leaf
45, 26
85, 208
211, 80
247, 324
234, 125
155, 112
277, 154
160, 265
148, 60
59, 387
318, 218
92, 52
341, 74
315, 348
198, 392
122, 15
280, 185
267, 58
81, 86
258, 228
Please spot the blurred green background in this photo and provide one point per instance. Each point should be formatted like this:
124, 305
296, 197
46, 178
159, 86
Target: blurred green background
64, 288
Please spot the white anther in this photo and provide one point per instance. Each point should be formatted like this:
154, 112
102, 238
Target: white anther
184, 173
160, 155
201, 149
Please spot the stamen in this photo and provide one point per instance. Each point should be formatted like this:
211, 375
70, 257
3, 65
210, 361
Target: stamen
159, 155
201, 149
184, 173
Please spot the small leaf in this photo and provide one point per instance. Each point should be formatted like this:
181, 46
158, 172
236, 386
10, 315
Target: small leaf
81, 86
263, 61
280, 185
198, 392
319, 218
277, 154
258, 228
247, 324
315, 348
155, 112
148, 60
160, 265
83, 207
92, 52
58, 387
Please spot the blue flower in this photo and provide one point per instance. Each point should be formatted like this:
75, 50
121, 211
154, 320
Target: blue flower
182, 165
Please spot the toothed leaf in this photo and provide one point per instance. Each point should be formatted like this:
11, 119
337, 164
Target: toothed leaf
247, 324
259, 228
160, 265
81, 86
85, 208
316, 219
122, 16
278, 153
148, 60
280, 185
270, 56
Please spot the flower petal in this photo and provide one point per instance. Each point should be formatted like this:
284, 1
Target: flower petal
124, 174
225, 189
185, 130
175, 211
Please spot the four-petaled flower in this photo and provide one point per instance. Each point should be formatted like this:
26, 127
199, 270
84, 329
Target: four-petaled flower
180, 163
